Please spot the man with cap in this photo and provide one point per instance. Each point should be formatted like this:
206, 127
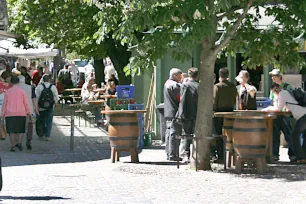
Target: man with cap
172, 101
281, 123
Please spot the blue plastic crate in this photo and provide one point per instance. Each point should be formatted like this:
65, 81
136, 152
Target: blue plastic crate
125, 91
140, 123
263, 103
135, 106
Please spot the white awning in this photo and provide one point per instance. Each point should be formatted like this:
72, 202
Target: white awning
7, 48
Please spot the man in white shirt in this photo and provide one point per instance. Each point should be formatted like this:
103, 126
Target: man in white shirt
46, 115
33, 106
286, 100
110, 70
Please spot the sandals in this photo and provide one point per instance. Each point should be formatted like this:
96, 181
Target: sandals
13, 149
19, 146
301, 161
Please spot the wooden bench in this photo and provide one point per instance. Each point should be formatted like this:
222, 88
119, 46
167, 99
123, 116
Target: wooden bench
90, 116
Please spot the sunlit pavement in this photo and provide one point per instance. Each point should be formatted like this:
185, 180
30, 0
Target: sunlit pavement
50, 173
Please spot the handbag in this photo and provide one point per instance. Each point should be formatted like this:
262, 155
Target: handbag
39, 127
2, 130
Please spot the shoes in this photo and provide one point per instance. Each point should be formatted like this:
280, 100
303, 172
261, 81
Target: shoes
293, 159
47, 139
41, 138
175, 158
276, 158
214, 158
19, 145
186, 160
29, 145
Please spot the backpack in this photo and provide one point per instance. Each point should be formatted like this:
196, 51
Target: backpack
46, 99
299, 95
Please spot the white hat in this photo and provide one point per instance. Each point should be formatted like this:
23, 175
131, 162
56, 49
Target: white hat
275, 72
242, 73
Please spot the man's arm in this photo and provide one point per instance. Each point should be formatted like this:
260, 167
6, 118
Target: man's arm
182, 104
216, 97
55, 94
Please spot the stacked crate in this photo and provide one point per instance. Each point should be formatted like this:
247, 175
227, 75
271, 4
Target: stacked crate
125, 96
140, 123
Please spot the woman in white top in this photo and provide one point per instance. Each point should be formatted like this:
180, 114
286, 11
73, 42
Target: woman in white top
246, 92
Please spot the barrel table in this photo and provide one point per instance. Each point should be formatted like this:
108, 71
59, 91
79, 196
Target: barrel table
269, 122
249, 137
123, 132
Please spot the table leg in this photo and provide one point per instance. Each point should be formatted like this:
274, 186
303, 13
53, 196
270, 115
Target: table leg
72, 131
269, 153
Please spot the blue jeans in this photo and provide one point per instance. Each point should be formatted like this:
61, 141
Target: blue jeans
282, 123
46, 118
98, 114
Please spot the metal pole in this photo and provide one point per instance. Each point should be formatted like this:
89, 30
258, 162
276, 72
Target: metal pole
72, 130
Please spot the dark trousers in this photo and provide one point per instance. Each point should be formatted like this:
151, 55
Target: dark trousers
173, 129
46, 118
188, 128
282, 123
299, 128
30, 131
218, 125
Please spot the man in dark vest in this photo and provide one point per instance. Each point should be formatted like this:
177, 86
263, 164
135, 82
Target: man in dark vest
171, 101
225, 94
188, 108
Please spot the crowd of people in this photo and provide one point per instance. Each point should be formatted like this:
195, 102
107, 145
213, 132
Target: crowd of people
180, 110
27, 98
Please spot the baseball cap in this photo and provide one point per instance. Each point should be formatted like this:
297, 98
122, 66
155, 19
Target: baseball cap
275, 72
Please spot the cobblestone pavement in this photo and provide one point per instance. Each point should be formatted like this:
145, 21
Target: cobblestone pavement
50, 173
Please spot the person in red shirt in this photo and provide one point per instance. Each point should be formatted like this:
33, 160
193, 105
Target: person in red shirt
37, 74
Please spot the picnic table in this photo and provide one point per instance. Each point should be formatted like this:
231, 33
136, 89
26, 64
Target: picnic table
74, 90
108, 96
99, 90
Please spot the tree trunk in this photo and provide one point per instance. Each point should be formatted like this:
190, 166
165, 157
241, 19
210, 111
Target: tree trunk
205, 109
99, 71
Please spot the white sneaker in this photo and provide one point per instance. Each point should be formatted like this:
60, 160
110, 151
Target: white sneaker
47, 139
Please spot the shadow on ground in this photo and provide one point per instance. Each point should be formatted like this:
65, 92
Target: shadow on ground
90, 144
42, 198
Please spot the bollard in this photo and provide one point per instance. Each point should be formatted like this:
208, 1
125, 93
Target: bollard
72, 131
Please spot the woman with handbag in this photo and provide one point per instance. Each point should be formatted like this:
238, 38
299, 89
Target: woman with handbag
15, 109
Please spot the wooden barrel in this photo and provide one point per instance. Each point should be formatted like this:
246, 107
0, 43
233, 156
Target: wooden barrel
250, 137
227, 131
123, 130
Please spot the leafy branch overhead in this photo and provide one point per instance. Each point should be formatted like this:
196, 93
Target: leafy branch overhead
265, 32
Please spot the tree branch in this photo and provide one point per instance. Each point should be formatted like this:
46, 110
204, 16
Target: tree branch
232, 10
227, 36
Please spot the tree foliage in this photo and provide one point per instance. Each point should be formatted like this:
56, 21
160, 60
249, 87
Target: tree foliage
184, 24
70, 25
266, 32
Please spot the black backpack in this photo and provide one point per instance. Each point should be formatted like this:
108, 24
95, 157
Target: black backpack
46, 99
299, 95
